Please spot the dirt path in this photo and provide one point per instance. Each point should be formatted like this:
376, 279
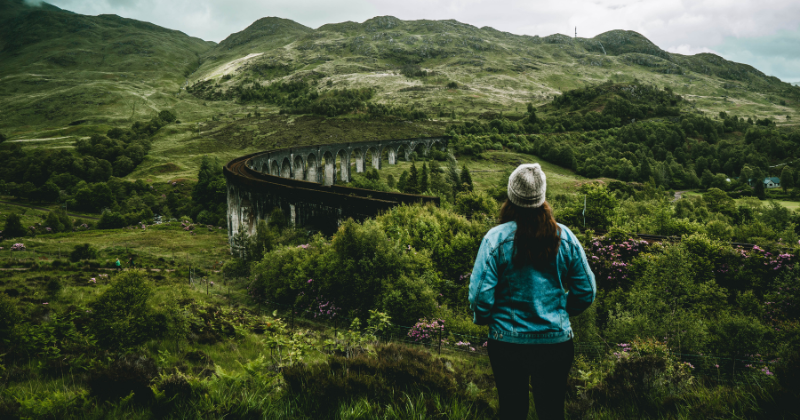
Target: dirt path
42, 208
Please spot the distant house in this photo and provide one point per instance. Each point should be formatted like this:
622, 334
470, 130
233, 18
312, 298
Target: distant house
772, 182
769, 182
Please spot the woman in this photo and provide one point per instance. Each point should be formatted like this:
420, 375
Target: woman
530, 276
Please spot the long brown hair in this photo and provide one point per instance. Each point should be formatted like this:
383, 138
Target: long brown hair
538, 236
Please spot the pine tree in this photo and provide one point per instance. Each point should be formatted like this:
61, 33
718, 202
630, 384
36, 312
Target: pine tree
466, 179
423, 179
455, 180
401, 183
787, 178
412, 184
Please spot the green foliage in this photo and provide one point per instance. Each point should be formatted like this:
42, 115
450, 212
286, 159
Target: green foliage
476, 204
384, 379
13, 227
122, 317
600, 205
412, 184
210, 193
465, 180
9, 318
83, 252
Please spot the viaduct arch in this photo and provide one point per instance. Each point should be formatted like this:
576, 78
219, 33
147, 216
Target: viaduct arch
301, 181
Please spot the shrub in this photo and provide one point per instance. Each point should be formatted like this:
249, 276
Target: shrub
9, 316
788, 372
478, 203
176, 386
122, 317
54, 285
83, 252
13, 228
130, 373
397, 370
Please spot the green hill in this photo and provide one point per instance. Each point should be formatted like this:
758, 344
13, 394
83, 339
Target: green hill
414, 62
58, 67
65, 75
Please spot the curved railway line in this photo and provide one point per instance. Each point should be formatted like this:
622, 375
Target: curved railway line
253, 194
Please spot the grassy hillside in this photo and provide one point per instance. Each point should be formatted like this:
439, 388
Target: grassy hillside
61, 68
415, 62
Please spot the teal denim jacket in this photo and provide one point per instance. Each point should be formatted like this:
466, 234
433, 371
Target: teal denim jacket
524, 305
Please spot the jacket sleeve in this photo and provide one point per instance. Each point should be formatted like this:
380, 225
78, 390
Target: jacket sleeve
582, 289
482, 284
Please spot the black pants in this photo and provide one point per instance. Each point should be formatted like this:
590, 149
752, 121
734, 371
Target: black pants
544, 366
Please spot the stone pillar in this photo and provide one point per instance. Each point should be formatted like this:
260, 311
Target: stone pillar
344, 167
392, 156
330, 171
376, 158
360, 162
298, 168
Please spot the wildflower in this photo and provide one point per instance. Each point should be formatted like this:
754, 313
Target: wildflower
45, 303
310, 280
211, 283
716, 366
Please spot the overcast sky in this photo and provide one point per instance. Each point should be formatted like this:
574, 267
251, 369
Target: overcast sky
762, 33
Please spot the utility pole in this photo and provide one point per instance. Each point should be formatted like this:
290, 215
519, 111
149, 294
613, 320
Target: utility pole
576, 32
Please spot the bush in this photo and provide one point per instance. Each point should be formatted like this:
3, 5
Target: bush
126, 375
54, 286
385, 378
477, 203
788, 372
122, 317
111, 220
9, 317
83, 252
13, 228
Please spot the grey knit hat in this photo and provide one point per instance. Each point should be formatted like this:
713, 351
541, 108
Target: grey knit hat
527, 185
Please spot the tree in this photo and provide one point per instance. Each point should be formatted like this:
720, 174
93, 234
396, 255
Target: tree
706, 179
167, 116
412, 183
54, 223
401, 183
13, 227
746, 175
787, 178
83, 252
455, 180
645, 171
466, 179
423, 179
123, 166
758, 187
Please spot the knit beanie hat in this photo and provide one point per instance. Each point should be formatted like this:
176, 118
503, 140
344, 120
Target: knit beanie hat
527, 185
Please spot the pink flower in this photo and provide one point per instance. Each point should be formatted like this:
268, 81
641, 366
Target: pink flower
310, 280
45, 303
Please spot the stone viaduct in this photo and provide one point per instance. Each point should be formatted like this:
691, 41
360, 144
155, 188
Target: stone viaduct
301, 181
